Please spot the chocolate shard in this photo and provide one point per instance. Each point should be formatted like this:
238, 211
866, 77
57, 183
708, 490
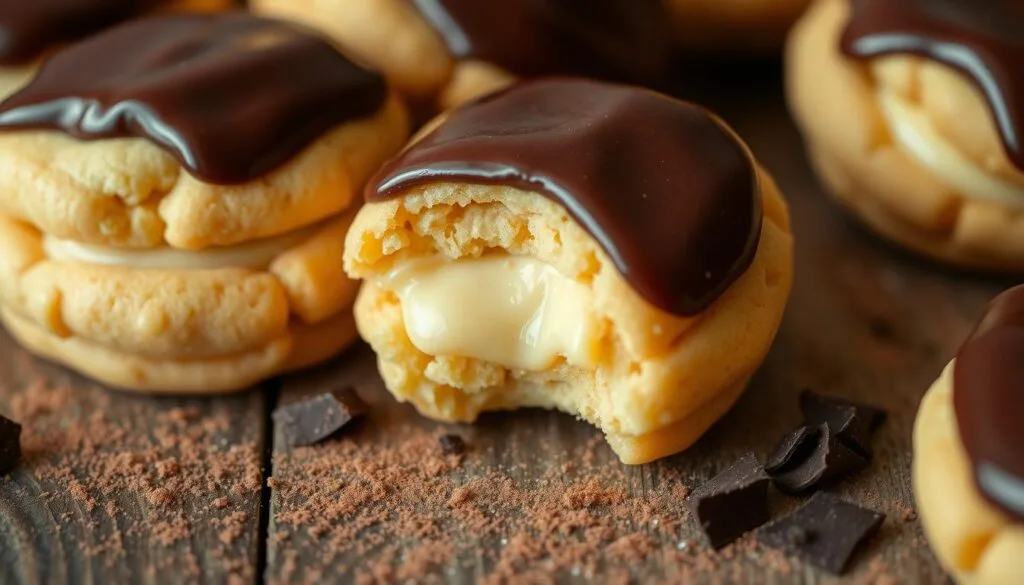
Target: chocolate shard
826, 531
10, 445
452, 445
733, 502
316, 418
792, 450
853, 422
830, 460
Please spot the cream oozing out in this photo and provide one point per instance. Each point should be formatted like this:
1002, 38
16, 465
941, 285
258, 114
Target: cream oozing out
914, 132
255, 255
513, 311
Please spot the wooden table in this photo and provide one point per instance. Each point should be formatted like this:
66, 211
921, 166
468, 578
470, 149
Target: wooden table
109, 492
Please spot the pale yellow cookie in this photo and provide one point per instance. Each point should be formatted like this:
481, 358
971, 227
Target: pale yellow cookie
733, 26
170, 304
908, 144
975, 541
655, 381
130, 193
298, 347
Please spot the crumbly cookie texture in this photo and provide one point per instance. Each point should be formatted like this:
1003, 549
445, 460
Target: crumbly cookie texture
299, 346
660, 380
975, 541
733, 27
394, 38
861, 163
130, 193
175, 313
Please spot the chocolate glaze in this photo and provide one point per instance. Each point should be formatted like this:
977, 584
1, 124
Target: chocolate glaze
669, 194
30, 27
988, 394
615, 39
231, 96
981, 39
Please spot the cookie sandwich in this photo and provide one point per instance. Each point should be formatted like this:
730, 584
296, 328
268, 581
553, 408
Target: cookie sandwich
448, 51
569, 244
174, 194
30, 29
913, 115
969, 452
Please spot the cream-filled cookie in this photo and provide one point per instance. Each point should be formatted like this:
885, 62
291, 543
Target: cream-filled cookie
31, 29
447, 52
174, 198
599, 249
733, 26
969, 452
913, 115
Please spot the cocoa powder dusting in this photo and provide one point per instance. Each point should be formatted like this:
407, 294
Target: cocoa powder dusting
136, 470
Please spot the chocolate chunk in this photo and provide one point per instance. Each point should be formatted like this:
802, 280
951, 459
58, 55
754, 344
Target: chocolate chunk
452, 445
732, 502
853, 422
231, 96
828, 461
10, 445
667, 191
826, 531
792, 450
318, 417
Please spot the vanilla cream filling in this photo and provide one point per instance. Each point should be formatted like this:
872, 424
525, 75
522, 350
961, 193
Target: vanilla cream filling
513, 311
255, 255
915, 134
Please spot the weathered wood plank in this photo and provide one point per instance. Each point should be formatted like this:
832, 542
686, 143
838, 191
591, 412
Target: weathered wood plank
115, 488
866, 321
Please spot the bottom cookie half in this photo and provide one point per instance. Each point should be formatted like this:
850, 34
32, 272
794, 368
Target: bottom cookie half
973, 540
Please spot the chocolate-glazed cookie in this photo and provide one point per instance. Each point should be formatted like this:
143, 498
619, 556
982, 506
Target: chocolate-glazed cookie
668, 192
988, 394
969, 451
567, 243
231, 96
982, 40
616, 39
912, 113
442, 53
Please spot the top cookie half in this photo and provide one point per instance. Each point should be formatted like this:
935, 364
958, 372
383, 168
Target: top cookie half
193, 131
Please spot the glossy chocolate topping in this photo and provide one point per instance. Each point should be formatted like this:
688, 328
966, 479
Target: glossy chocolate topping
616, 39
30, 27
983, 39
988, 394
231, 96
668, 192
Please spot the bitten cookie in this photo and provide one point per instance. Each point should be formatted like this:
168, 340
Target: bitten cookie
969, 452
31, 29
913, 115
599, 249
733, 26
174, 197
450, 51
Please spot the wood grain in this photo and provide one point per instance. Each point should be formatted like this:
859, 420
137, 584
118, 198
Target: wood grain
81, 507
866, 321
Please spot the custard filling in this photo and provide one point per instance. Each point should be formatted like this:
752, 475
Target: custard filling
512, 311
254, 255
914, 132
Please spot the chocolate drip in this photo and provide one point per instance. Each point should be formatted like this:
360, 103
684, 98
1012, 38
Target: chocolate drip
615, 39
983, 40
668, 193
231, 96
988, 394
30, 27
